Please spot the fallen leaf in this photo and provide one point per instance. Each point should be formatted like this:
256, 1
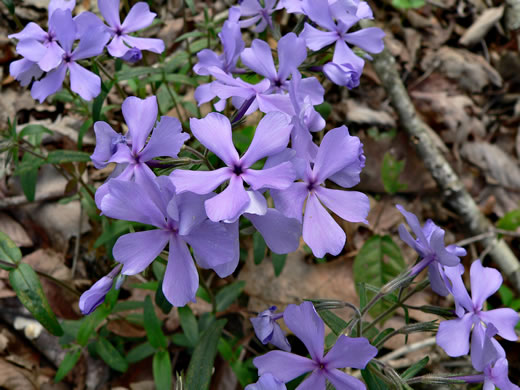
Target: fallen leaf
469, 70
481, 26
14, 378
14, 230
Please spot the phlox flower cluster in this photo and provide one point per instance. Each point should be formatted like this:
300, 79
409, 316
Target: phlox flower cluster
445, 274
282, 161
50, 55
279, 367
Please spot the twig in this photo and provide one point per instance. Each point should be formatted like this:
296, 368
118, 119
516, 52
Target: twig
21, 200
77, 243
452, 188
405, 350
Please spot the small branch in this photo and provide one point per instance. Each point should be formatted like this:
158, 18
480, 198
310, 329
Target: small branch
403, 351
428, 147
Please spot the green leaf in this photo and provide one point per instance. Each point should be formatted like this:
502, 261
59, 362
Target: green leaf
189, 325
142, 351
378, 262
67, 364
9, 252
34, 132
408, 4
372, 381
335, 323
152, 326
29, 290
29, 178
191, 6
162, 370
278, 263
62, 156
415, 368
111, 355
83, 130
28, 166
100, 99
324, 109
506, 295
10, 5
160, 299
200, 369
227, 295
382, 335
90, 322
510, 221
391, 169
258, 248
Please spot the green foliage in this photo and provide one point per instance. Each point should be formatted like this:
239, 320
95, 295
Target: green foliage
142, 351
152, 326
510, 221
259, 248
391, 169
111, 355
9, 252
408, 4
415, 368
29, 177
162, 370
278, 263
378, 262
10, 5
189, 325
64, 156
508, 298
29, 290
199, 372
228, 294
245, 371
67, 364
90, 323
372, 381
335, 323
160, 299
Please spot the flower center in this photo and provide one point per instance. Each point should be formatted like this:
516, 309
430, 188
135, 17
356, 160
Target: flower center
237, 170
118, 31
67, 58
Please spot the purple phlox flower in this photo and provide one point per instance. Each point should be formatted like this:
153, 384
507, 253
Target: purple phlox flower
345, 9
267, 382
180, 220
338, 8
131, 152
343, 73
369, 39
95, 295
453, 335
305, 118
490, 359
307, 325
82, 81
429, 244
256, 96
232, 43
133, 55
268, 331
497, 375
337, 153
214, 132
138, 18
259, 16
38, 60
291, 54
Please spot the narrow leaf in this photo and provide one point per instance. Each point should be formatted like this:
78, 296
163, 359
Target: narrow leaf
152, 325
67, 364
201, 364
189, 325
227, 295
62, 156
162, 370
9, 252
111, 355
278, 263
29, 290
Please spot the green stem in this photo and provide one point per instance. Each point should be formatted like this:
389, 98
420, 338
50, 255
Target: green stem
172, 96
122, 93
